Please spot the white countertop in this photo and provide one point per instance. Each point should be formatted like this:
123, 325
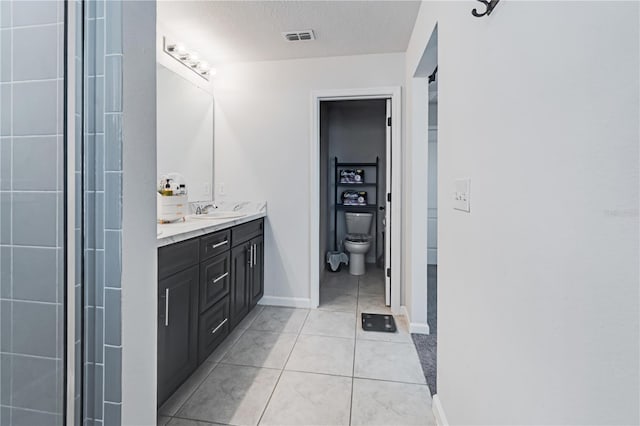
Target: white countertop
171, 233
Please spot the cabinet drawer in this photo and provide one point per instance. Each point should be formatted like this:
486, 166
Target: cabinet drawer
214, 244
214, 327
215, 276
245, 232
177, 257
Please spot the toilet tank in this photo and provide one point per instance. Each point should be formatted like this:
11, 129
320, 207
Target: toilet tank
358, 223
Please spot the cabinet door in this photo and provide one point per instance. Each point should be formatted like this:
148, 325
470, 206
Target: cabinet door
240, 276
177, 330
257, 270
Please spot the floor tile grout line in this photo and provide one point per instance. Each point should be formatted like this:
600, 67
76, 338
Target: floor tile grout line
326, 335
355, 343
251, 366
266, 406
389, 381
320, 374
196, 420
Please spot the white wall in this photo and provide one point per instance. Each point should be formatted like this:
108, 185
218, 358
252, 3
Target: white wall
262, 133
538, 303
139, 253
185, 132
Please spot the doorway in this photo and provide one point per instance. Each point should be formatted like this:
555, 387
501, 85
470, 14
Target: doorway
426, 81
432, 205
353, 188
384, 206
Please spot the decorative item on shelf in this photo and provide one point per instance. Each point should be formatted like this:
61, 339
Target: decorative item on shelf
172, 200
189, 59
491, 4
352, 176
354, 198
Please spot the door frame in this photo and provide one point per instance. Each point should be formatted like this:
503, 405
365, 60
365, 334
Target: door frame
394, 93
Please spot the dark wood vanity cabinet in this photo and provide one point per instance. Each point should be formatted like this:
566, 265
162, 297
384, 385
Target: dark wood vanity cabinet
247, 267
206, 286
177, 329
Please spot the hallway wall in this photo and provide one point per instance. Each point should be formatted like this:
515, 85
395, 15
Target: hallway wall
538, 308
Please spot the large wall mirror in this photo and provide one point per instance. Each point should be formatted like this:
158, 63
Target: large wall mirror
185, 132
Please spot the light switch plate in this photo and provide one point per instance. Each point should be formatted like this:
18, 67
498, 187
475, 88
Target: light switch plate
462, 195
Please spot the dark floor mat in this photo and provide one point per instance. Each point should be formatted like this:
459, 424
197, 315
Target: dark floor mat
426, 345
378, 322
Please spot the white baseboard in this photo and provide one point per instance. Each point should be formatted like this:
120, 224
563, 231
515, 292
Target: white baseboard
438, 411
414, 327
289, 302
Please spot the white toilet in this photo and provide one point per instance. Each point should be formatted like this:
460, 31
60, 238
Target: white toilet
358, 240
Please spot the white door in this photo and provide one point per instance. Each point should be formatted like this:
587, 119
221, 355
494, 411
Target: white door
387, 213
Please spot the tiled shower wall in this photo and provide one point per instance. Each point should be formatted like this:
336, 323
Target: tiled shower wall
31, 213
102, 184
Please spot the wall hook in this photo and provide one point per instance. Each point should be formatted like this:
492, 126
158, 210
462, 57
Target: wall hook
490, 6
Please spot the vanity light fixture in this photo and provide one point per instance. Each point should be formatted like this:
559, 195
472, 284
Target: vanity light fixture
187, 58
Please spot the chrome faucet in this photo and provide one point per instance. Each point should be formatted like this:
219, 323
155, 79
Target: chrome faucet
205, 209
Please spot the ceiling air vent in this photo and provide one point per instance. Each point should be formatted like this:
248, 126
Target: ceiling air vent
299, 35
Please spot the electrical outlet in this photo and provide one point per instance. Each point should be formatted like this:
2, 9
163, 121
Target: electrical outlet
462, 195
206, 190
221, 188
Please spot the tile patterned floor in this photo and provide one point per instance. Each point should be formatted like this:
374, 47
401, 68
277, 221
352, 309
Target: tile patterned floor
285, 366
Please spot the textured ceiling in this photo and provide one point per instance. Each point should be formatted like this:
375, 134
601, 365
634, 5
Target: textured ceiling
238, 31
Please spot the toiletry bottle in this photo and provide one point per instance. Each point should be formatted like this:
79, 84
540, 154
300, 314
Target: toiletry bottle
167, 190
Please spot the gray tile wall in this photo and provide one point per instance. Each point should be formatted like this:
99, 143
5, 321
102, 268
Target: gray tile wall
31, 212
103, 211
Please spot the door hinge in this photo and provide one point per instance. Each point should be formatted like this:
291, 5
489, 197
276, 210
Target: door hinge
388, 197
389, 121
388, 272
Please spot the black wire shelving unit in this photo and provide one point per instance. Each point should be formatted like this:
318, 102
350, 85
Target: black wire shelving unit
369, 183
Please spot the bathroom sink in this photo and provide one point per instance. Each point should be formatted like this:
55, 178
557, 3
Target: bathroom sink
218, 215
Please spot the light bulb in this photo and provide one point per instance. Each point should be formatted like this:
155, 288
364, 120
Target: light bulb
182, 52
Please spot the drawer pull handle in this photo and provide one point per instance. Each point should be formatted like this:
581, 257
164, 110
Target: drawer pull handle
218, 327
255, 254
166, 307
221, 277
220, 244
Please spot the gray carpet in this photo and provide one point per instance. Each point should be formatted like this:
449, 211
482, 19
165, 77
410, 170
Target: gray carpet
426, 345
432, 298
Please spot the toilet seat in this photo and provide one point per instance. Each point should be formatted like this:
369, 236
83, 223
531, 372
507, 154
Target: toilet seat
358, 238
